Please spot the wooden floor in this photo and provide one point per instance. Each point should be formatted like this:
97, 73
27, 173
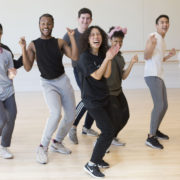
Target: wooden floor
135, 161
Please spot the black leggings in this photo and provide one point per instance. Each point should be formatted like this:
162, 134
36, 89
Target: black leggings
120, 112
102, 116
8, 113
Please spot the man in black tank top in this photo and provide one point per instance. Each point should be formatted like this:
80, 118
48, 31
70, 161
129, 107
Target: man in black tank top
57, 89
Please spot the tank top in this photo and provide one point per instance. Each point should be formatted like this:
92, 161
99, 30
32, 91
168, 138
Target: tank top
154, 66
49, 58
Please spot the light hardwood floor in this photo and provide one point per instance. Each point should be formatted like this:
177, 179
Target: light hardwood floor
135, 161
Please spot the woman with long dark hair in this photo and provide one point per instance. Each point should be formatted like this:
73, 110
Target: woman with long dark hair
94, 67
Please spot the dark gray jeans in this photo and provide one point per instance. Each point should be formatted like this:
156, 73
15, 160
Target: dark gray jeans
159, 96
8, 113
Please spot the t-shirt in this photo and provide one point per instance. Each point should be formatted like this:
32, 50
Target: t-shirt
153, 66
6, 84
94, 93
17, 63
77, 36
115, 80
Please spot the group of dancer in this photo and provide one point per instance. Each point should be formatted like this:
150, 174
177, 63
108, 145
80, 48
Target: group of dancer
99, 69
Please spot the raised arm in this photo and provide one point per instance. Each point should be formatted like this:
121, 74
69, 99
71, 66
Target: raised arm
28, 55
150, 46
171, 53
128, 70
71, 52
105, 68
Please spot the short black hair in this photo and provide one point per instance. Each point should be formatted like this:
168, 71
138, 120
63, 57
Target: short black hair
47, 15
1, 28
84, 11
116, 34
162, 16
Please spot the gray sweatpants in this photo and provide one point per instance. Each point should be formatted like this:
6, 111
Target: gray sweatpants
8, 113
159, 96
58, 93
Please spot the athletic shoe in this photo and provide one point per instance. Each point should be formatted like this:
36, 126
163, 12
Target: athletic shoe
42, 155
73, 135
160, 135
59, 147
89, 132
5, 153
103, 164
153, 142
93, 171
116, 142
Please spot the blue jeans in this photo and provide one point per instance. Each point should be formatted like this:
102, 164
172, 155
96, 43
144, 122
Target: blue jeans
8, 113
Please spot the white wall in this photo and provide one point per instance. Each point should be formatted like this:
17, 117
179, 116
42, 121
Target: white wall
20, 18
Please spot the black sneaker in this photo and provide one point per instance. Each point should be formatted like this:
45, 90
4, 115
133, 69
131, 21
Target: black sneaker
153, 142
93, 171
160, 135
103, 164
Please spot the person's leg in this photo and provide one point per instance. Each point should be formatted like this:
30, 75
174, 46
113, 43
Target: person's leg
10, 107
87, 126
103, 122
53, 101
68, 103
120, 114
165, 103
158, 133
156, 89
8, 113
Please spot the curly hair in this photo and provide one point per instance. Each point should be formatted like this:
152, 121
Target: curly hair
84, 41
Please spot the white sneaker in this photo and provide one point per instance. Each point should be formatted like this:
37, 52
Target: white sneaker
59, 147
116, 142
42, 155
5, 153
89, 132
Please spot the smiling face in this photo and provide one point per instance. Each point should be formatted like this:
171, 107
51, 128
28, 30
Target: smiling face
46, 25
117, 41
84, 21
162, 26
95, 39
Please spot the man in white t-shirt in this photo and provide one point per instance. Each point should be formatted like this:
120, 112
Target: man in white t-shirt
154, 56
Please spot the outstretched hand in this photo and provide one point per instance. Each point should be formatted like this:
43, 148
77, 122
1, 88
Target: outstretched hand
22, 42
153, 40
12, 73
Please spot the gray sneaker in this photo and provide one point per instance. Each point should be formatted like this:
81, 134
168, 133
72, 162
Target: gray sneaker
42, 155
116, 142
59, 147
73, 135
89, 132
